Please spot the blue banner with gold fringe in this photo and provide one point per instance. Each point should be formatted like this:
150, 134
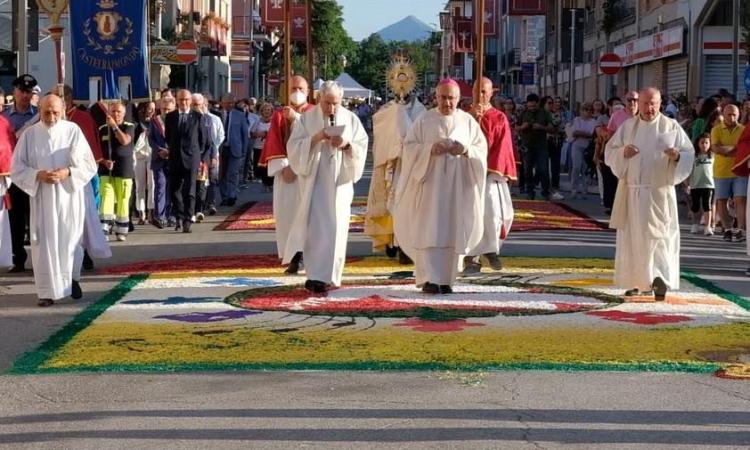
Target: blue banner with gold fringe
109, 42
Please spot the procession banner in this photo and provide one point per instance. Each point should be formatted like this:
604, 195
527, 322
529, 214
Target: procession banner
109, 49
273, 12
300, 22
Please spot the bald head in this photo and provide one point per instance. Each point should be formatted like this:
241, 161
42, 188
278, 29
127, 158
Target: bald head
649, 103
50, 109
298, 91
731, 114
485, 90
448, 95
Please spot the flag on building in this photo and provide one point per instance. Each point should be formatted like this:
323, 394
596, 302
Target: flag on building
109, 50
463, 35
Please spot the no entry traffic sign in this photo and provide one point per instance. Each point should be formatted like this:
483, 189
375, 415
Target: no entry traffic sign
610, 63
187, 52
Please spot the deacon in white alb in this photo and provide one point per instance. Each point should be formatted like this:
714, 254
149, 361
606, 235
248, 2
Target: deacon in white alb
649, 154
327, 165
439, 205
53, 164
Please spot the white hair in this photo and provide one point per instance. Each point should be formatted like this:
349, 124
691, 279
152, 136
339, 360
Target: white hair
198, 98
331, 87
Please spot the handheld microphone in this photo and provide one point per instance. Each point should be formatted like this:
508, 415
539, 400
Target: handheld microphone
332, 120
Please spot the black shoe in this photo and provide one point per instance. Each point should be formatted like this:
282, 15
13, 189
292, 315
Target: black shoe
88, 263
728, 235
660, 289
18, 268
43, 302
494, 261
131, 227
471, 267
430, 288
231, 201
446, 289
157, 223
76, 293
403, 258
316, 286
391, 252
632, 292
177, 226
294, 264
186, 226
532, 195
212, 211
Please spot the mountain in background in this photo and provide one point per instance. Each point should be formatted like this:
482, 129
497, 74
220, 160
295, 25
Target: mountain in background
409, 29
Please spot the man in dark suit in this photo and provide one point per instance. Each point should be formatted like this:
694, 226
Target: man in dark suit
186, 140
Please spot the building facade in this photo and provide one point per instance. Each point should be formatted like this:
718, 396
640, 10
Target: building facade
684, 47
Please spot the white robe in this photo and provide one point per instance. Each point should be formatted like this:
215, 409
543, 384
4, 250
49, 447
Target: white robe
94, 241
498, 215
645, 207
439, 204
326, 178
286, 198
57, 210
6, 249
390, 126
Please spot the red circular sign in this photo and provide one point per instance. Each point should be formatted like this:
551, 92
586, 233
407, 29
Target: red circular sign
610, 63
187, 52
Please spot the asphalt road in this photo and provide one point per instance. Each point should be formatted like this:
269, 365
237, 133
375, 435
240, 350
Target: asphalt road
523, 409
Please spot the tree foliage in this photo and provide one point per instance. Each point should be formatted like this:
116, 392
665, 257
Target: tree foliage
374, 56
330, 39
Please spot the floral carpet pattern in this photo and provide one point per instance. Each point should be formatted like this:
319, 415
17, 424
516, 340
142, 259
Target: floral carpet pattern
530, 215
242, 313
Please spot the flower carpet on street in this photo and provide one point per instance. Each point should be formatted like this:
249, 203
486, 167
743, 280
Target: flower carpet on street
258, 216
242, 313
530, 215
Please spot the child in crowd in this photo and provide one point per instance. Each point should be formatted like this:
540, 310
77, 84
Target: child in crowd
702, 185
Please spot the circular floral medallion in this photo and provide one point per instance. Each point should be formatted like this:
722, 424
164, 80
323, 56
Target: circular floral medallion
400, 298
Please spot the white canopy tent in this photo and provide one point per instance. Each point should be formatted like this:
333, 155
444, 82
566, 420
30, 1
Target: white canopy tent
352, 88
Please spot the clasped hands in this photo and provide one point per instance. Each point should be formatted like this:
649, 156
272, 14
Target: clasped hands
53, 176
631, 150
445, 146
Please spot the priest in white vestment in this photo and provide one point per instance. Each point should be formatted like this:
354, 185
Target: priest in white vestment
327, 150
390, 125
286, 188
649, 154
439, 205
53, 164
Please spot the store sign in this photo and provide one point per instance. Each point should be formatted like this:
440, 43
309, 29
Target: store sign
164, 54
659, 45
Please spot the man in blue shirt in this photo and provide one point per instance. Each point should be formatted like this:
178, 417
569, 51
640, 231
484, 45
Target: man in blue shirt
19, 114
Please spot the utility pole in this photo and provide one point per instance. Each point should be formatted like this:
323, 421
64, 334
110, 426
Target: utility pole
572, 68
736, 47
22, 63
